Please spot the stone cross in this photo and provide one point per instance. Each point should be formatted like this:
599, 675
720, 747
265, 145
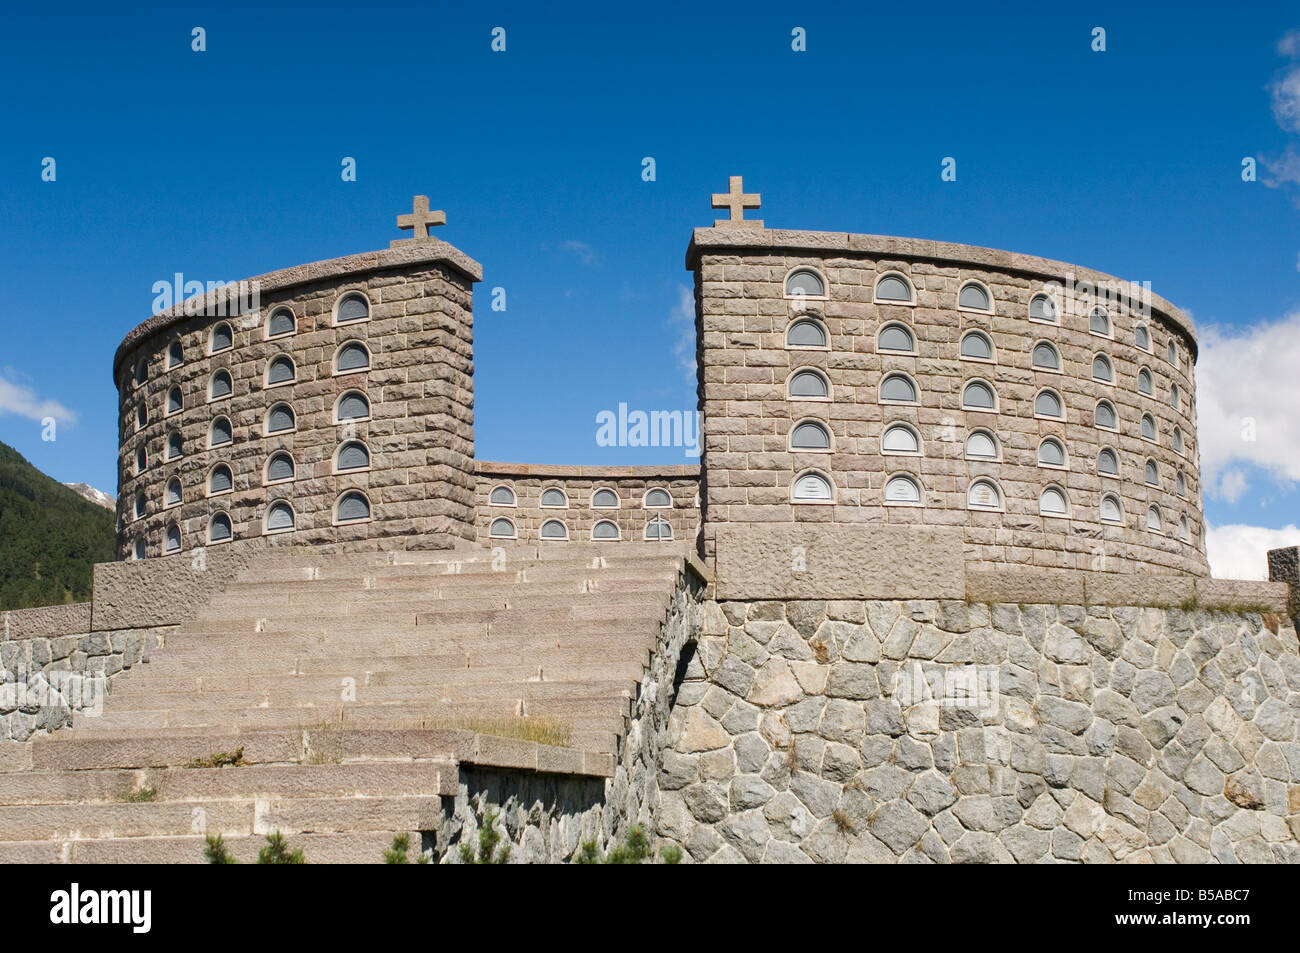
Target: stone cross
737, 201
421, 219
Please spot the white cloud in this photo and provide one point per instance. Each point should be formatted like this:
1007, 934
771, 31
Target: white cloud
1231, 485
1248, 394
1283, 170
584, 252
1241, 552
16, 398
1289, 45
1286, 99
682, 317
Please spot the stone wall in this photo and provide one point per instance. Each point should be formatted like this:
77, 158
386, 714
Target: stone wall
418, 433
950, 731
746, 362
630, 484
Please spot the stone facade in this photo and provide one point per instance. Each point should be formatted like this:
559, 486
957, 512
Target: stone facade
746, 311
924, 731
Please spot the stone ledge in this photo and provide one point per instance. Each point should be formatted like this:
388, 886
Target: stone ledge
1242, 594
1026, 587
46, 621
492, 468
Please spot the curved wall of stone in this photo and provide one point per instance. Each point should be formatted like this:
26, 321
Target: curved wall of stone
376, 366
772, 304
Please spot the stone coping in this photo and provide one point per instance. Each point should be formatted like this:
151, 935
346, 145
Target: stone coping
1080, 587
43, 622
493, 468
848, 244
412, 252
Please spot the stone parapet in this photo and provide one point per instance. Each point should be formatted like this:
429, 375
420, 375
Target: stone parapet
45, 621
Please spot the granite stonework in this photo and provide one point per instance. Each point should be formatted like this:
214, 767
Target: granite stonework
1284, 568
946, 731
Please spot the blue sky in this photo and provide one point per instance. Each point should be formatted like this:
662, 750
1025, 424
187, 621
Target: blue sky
225, 164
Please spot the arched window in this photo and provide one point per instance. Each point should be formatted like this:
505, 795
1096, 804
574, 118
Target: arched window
352, 455
220, 480
175, 403
353, 405
975, 297
280, 468
1178, 440
1052, 502
898, 388
141, 416
809, 384
1173, 396
902, 489
1148, 427
279, 419
219, 530
984, 495
1111, 511
805, 283
172, 494
1107, 462
894, 289
1104, 416
141, 460
220, 432
806, 333
502, 528
172, 543
605, 530
812, 488
353, 306
896, 337
1145, 384
604, 499
279, 517
1180, 484
900, 438
1042, 308
280, 371
222, 339
1184, 532
220, 386
1046, 357
1102, 370
1153, 518
554, 529
502, 496
555, 497
352, 507
141, 505
175, 355
1172, 353
981, 445
978, 395
1151, 473
141, 372
352, 356
1099, 322
658, 499
1048, 404
976, 346
1051, 453
658, 529
1142, 337
810, 435
279, 323
175, 446
139, 550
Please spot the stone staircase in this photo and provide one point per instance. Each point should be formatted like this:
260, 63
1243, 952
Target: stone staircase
349, 689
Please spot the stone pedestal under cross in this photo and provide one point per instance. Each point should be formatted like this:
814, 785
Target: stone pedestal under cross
421, 219
737, 200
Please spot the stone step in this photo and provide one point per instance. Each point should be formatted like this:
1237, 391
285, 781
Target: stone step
459, 561
383, 604
465, 586
365, 847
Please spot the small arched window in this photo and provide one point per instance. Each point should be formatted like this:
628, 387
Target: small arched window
978, 395
1173, 396
1107, 462
1111, 511
1046, 357
352, 307
1099, 322
898, 389
223, 339
141, 460
604, 499
975, 297
279, 517
809, 384
175, 403
172, 494
220, 432
981, 445
502, 528
219, 530
138, 552
1042, 308
175, 354
900, 438
658, 499
1142, 337
220, 480
1153, 518
353, 405
605, 530
902, 489
1151, 473
502, 496
1178, 440
896, 337
806, 333
279, 419
984, 495
281, 322
810, 435
1180, 484
141, 416
220, 386
1048, 404
811, 488
804, 283
1145, 384
141, 504
1172, 353
280, 468
555, 497
280, 371
353, 507
1148, 427
976, 346
658, 529
141, 373
1104, 416
894, 289
1052, 502
1102, 370
352, 455
353, 356
1051, 453
554, 529
175, 445
1184, 532
172, 543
